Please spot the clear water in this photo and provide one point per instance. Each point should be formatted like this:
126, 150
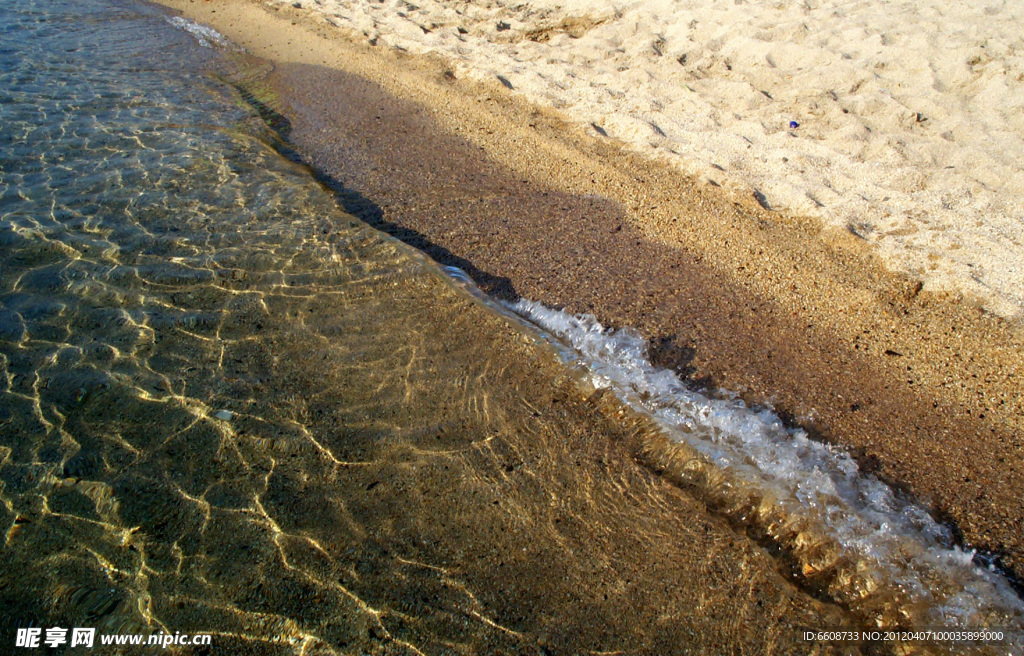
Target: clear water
228, 407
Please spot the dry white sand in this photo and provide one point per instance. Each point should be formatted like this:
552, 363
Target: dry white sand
911, 114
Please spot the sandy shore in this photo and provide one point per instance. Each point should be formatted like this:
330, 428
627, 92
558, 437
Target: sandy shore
922, 386
229, 409
899, 122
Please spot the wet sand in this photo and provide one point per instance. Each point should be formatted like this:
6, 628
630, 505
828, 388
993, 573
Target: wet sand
922, 387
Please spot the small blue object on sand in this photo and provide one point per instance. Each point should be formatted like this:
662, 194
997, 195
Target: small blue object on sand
794, 124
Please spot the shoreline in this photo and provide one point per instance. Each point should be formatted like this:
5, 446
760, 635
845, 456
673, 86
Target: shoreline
232, 410
921, 386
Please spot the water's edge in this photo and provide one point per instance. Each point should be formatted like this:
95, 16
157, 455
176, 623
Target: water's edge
700, 442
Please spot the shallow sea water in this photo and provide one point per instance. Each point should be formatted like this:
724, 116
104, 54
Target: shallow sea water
228, 407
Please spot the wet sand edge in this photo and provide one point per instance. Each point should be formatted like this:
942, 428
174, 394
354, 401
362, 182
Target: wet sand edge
921, 386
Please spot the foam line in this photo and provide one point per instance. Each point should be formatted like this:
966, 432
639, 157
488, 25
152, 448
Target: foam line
886, 554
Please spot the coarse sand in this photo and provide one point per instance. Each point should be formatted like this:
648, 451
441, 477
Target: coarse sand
900, 122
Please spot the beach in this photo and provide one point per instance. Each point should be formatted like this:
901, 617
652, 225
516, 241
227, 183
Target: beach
233, 414
317, 338
897, 122
921, 386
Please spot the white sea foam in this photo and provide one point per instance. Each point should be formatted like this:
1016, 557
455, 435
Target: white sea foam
869, 523
911, 114
206, 36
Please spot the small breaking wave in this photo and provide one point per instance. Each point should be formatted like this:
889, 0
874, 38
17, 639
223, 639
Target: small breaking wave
206, 36
847, 535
